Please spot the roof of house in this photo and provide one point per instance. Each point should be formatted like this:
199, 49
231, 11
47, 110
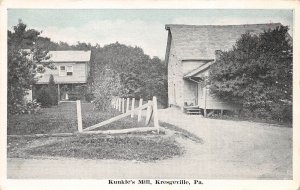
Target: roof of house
200, 42
62, 80
199, 69
69, 56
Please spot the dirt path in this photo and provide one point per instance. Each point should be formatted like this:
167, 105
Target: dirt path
261, 149
231, 150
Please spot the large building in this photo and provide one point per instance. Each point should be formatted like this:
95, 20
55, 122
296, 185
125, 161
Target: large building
191, 50
71, 73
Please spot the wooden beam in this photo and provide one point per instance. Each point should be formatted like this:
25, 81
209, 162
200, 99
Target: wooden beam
210, 113
58, 91
140, 111
132, 107
114, 118
123, 105
120, 102
127, 104
155, 114
149, 113
115, 102
44, 135
121, 131
79, 118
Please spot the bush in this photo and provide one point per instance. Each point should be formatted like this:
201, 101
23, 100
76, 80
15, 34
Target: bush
282, 112
47, 96
89, 97
75, 96
257, 73
30, 107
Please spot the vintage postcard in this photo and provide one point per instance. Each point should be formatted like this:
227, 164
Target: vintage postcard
106, 95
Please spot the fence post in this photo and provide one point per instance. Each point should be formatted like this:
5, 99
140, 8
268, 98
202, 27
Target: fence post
79, 118
140, 111
132, 107
155, 114
149, 113
123, 105
119, 104
127, 104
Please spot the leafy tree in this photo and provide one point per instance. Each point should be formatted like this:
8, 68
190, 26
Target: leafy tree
257, 73
23, 57
51, 81
47, 95
106, 85
139, 76
115, 69
53, 90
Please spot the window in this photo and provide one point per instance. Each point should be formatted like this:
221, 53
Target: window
69, 70
62, 71
65, 70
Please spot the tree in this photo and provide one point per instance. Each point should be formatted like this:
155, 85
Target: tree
257, 73
137, 74
53, 90
23, 57
106, 85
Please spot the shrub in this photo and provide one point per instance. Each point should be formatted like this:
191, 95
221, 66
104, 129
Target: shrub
45, 97
74, 96
89, 97
53, 90
30, 107
258, 74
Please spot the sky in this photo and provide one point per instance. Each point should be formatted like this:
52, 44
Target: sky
144, 28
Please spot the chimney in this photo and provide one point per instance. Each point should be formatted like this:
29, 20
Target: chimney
218, 54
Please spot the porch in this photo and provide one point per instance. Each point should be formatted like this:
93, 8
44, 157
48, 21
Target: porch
199, 100
65, 92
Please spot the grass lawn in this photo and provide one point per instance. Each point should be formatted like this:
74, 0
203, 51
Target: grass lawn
120, 147
62, 118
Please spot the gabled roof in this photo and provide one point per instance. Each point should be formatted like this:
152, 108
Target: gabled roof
199, 69
200, 42
69, 56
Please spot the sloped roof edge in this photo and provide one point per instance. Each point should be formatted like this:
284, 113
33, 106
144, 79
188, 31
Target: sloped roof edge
69, 56
199, 69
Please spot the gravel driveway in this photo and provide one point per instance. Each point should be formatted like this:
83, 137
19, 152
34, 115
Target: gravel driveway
238, 149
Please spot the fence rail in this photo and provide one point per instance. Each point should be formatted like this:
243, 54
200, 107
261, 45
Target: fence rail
123, 105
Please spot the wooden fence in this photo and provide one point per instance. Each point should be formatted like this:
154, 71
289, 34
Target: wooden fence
127, 108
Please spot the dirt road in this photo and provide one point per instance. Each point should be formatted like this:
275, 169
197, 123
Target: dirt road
231, 150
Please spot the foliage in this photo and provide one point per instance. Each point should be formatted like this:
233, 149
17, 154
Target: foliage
44, 97
30, 107
89, 97
23, 57
51, 81
257, 73
53, 90
48, 95
137, 74
105, 87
